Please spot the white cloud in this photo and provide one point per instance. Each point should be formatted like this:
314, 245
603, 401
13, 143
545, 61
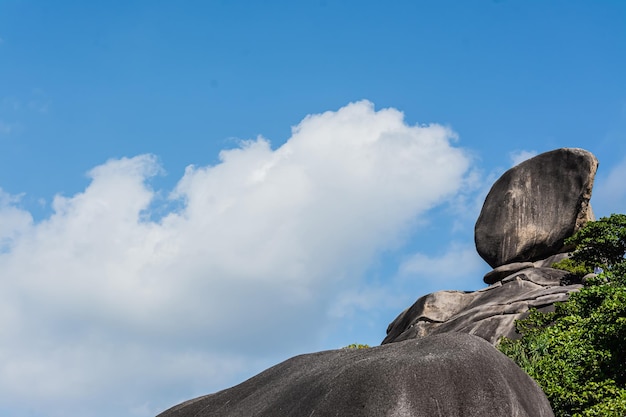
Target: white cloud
517, 157
98, 302
609, 193
14, 221
366, 298
459, 267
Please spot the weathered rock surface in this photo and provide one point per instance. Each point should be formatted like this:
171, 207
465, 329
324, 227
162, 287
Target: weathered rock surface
489, 313
446, 375
503, 271
534, 206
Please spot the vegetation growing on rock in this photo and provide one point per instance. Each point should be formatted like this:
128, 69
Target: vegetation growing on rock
356, 346
577, 353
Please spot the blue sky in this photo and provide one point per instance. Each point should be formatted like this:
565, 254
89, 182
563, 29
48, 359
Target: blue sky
193, 191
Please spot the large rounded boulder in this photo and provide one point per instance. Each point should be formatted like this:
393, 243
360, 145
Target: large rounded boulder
533, 207
451, 374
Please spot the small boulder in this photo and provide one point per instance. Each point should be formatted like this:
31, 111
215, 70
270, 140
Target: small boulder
503, 271
533, 207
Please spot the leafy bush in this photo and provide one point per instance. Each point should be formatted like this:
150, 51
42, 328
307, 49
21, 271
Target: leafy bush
572, 267
577, 353
601, 243
356, 346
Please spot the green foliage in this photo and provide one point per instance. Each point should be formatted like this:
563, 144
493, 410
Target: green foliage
601, 243
356, 346
577, 353
569, 265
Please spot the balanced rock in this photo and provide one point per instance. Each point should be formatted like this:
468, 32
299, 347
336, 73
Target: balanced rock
489, 313
446, 375
533, 207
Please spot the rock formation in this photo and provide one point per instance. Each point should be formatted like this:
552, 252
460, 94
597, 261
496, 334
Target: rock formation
526, 216
489, 313
534, 206
431, 363
449, 375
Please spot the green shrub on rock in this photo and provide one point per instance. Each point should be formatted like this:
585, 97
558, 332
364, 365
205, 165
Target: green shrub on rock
569, 265
356, 346
601, 243
577, 353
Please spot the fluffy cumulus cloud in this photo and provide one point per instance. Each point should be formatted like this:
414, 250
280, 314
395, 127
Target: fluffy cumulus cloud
106, 309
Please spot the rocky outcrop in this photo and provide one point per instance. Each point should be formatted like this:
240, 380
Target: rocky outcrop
446, 375
438, 357
520, 232
535, 206
489, 313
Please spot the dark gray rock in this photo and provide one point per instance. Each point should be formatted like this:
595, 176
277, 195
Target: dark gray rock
548, 262
500, 272
489, 313
534, 206
446, 375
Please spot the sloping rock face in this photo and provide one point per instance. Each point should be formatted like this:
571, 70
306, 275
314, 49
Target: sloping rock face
534, 206
447, 375
489, 313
